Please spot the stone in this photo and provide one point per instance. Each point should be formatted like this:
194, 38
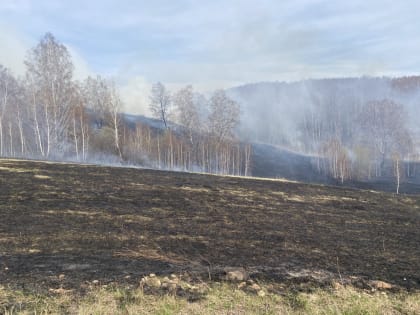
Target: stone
60, 291
153, 282
337, 285
173, 276
261, 293
380, 285
172, 286
236, 274
186, 286
169, 285
242, 285
254, 288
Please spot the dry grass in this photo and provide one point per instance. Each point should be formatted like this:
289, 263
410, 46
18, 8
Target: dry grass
222, 298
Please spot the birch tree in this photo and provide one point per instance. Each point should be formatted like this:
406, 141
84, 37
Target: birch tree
80, 124
12, 114
97, 94
188, 112
223, 117
5, 91
385, 128
103, 99
115, 107
160, 103
50, 73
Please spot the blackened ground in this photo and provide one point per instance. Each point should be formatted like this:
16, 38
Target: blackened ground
270, 161
110, 224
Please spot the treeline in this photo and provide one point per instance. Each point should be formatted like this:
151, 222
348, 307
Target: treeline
362, 140
201, 139
352, 128
47, 114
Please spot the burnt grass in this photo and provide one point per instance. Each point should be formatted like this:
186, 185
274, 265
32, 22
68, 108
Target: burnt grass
116, 224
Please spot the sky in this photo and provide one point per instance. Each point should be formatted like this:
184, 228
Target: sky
215, 44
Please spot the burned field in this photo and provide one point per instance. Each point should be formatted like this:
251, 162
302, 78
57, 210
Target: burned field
65, 225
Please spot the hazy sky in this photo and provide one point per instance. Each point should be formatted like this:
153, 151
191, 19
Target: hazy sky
217, 43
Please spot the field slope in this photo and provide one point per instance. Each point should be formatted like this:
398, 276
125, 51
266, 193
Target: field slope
117, 224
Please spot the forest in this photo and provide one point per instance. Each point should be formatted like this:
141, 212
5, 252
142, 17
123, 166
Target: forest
360, 129
351, 129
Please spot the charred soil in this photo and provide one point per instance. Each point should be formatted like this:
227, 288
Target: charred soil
65, 225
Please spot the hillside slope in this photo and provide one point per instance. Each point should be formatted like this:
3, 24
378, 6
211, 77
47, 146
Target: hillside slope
114, 224
269, 161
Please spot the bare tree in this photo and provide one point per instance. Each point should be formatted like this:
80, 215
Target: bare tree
160, 103
12, 115
96, 91
337, 159
5, 87
50, 72
80, 124
188, 112
224, 116
397, 170
103, 100
115, 106
385, 128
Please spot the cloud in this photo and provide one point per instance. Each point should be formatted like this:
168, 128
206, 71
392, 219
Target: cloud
218, 44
